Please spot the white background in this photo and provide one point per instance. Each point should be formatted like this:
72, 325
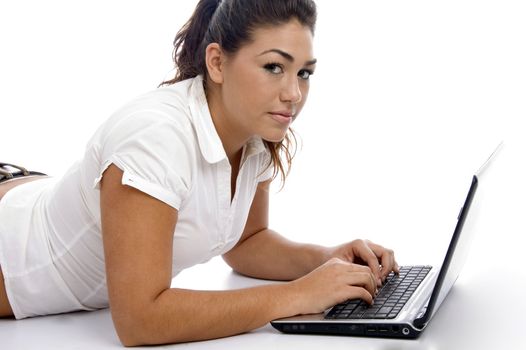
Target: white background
408, 100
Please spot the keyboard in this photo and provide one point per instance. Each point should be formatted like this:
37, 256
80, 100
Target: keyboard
391, 298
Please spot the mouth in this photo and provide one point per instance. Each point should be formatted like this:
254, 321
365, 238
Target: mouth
283, 117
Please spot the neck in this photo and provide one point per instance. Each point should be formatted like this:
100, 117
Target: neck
232, 138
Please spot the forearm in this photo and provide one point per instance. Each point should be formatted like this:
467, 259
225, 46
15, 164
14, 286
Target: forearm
268, 255
179, 315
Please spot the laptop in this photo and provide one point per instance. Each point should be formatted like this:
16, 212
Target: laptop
406, 302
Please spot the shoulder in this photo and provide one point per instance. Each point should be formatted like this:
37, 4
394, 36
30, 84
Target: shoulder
154, 130
165, 105
162, 114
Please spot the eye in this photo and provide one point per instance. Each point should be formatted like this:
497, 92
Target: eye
274, 68
305, 74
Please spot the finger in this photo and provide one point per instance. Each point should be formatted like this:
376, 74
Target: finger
373, 286
360, 293
365, 280
388, 262
396, 268
362, 250
351, 269
359, 268
386, 257
354, 268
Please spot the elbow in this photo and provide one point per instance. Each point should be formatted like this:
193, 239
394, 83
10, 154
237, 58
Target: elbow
133, 328
128, 328
143, 328
230, 261
233, 260
128, 340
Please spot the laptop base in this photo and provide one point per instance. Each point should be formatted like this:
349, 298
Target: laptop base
391, 330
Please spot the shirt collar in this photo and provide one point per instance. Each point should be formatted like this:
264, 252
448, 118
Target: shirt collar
207, 137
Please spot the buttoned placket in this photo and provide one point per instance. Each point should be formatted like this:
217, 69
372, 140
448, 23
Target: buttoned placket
223, 198
227, 204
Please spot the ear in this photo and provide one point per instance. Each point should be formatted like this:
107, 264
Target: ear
214, 60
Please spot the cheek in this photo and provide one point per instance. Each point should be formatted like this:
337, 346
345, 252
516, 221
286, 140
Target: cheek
234, 94
305, 92
253, 93
304, 96
243, 87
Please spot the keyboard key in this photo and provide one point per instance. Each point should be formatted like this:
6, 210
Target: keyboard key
391, 298
385, 309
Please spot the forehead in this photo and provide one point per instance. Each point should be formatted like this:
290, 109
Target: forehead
292, 37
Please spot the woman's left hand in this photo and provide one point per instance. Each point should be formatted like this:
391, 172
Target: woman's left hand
381, 260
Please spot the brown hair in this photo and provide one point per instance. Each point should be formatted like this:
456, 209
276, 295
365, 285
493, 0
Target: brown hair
230, 23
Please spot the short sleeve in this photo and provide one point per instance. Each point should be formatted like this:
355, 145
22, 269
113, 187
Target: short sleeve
155, 151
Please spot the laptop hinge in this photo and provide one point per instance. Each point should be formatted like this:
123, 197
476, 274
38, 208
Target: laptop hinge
421, 318
419, 323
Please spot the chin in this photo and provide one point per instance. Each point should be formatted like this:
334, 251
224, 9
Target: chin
274, 137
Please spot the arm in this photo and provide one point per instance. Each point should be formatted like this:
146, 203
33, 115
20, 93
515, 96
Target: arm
137, 236
263, 253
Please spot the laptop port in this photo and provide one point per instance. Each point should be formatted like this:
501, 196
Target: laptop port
383, 329
371, 329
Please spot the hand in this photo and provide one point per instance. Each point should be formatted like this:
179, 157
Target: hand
381, 260
333, 282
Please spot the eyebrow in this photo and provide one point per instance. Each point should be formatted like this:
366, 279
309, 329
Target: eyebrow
287, 56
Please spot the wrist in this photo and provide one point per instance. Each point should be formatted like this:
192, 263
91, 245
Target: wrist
324, 254
292, 293
313, 256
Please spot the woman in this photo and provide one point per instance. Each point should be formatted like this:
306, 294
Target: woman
175, 177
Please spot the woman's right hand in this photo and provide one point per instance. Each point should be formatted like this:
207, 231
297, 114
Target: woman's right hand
333, 282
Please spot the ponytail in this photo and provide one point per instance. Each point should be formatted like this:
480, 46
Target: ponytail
188, 53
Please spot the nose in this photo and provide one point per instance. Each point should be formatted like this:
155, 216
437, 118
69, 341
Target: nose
291, 92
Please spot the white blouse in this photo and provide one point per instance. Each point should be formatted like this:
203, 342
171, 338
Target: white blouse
165, 142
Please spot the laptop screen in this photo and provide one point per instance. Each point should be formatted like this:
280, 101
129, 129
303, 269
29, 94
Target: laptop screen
458, 248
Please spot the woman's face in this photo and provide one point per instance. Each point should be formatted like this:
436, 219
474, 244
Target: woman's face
266, 82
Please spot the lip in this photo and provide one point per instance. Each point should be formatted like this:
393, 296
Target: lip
283, 117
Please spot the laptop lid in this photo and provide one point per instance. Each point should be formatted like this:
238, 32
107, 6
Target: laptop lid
458, 247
